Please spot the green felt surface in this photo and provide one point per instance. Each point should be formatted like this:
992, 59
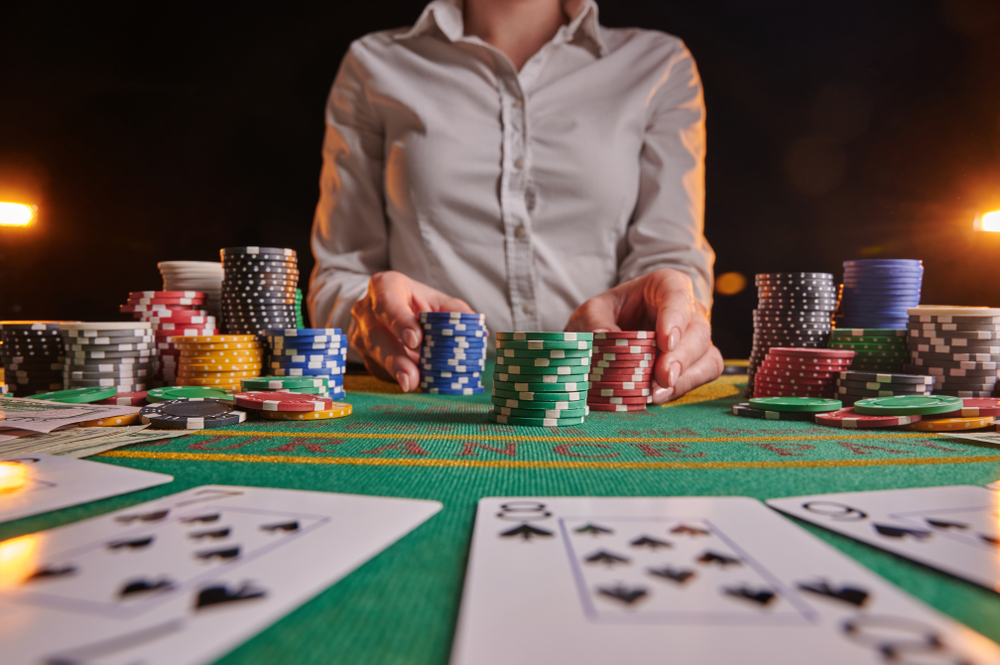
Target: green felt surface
401, 606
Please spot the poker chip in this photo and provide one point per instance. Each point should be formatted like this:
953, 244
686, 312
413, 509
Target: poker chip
621, 334
558, 412
336, 410
172, 393
542, 344
193, 414
848, 418
951, 424
616, 407
262, 383
521, 370
744, 410
453, 354
525, 395
112, 421
281, 401
544, 362
137, 398
533, 422
77, 395
975, 407
259, 290
795, 404
598, 399
904, 405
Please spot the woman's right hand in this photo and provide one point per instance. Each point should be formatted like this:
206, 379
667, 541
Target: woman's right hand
385, 326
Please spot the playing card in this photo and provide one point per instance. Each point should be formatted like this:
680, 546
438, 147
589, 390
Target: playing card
34, 484
185, 578
692, 580
42, 416
953, 529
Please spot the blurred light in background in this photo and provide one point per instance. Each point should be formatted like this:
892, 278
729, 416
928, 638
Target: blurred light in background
988, 221
16, 214
730, 283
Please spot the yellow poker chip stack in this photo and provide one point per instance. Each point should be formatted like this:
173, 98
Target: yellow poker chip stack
219, 361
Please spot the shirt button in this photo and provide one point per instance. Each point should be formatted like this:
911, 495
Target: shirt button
518, 163
520, 231
517, 103
528, 309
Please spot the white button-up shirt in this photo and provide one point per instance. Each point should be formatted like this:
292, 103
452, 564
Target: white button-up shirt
523, 193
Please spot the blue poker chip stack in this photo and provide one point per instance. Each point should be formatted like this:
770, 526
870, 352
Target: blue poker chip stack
453, 355
877, 292
311, 352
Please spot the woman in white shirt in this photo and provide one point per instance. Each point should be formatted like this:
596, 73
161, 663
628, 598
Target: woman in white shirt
516, 156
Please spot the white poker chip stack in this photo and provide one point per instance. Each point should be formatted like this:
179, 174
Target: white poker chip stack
108, 354
204, 276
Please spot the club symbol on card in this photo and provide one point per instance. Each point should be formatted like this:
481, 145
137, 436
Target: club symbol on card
525, 531
212, 533
678, 575
145, 587
608, 558
51, 572
837, 511
593, 530
947, 526
214, 596
622, 593
154, 516
685, 530
901, 532
761, 596
201, 519
225, 554
710, 558
650, 542
286, 527
847, 594
134, 544
990, 540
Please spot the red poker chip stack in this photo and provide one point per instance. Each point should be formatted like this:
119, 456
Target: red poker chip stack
171, 314
621, 372
800, 372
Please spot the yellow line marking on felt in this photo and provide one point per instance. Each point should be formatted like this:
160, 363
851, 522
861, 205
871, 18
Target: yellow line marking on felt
567, 464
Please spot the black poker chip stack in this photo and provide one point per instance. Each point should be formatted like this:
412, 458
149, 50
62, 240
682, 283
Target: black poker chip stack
794, 309
258, 289
32, 355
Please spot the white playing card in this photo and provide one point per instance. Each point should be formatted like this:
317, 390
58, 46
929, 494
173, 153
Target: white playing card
953, 529
185, 578
39, 483
687, 580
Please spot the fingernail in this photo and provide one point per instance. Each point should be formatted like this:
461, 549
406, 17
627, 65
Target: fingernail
410, 338
660, 395
672, 339
404, 381
675, 371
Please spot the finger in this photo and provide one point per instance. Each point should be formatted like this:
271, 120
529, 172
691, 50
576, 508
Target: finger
388, 351
694, 344
391, 305
707, 368
671, 295
597, 314
436, 301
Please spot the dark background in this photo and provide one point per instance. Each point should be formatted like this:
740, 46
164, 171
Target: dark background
837, 130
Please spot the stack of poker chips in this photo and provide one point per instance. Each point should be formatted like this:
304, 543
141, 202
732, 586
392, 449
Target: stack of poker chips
307, 385
116, 354
794, 310
621, 374
877, 292
540, 378
218, 361
203, 276
798, 372
453, 355
315, 353
880, 350
854, 385
958, 346
171, 314
32, 355
287, 405
258, 291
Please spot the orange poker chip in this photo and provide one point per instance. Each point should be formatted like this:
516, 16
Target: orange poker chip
338, 410
235, 355
113, 421
218, 375
214, 383
216, 339
222, 367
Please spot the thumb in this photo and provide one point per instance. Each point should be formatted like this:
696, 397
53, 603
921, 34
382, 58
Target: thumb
597, 314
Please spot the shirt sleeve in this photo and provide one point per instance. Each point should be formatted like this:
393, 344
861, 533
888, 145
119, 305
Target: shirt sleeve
350, 227
667, 229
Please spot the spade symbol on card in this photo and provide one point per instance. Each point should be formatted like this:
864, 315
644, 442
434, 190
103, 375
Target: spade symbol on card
213, 534
721, 560
136, 544
847, 594
201, 519
941, 524
593, 529
901, 532
145, 586
650, 542
760, 596
623, 593
685, 530
605, 557
224, 554
222, 595
287, 527
679, 575
51, 572
154, 516
525, 531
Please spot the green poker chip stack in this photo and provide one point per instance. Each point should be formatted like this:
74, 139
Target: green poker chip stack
541, 378
78, 395
881, 350
307, 385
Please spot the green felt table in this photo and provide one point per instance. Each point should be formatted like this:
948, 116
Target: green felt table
401, 606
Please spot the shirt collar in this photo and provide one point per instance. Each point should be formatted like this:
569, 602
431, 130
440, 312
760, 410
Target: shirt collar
446, 15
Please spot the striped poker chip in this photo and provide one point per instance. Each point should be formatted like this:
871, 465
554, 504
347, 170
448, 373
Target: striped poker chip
626, 334
282, 401
617, 407
597, 399
191, 414
744, 410
619, 392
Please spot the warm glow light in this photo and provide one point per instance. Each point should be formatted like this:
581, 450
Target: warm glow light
16, 214
13, 476
730, 283
989, 221
18, 560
